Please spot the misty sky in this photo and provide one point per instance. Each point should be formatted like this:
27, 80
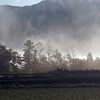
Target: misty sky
18, 2
72, 24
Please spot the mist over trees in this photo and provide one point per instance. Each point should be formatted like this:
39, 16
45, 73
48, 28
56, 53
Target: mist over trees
42, 57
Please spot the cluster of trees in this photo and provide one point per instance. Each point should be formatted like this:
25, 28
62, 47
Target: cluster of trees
40, 57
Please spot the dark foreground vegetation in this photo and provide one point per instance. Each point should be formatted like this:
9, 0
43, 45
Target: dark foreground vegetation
56, 79
51, 94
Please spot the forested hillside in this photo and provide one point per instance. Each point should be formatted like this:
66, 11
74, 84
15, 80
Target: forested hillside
42, 57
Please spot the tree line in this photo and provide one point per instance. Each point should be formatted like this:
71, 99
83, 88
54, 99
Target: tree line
42, 57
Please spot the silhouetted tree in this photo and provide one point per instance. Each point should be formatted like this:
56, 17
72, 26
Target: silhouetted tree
5, 58
44, 64
16, 62
97, 63
89, 58
49, 51
89, 63
69, 59
58, 58
28, 55
35, 62
40, 50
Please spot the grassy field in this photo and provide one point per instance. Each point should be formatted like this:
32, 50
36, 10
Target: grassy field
50, 94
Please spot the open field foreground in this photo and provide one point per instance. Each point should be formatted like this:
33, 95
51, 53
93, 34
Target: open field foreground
51, 94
